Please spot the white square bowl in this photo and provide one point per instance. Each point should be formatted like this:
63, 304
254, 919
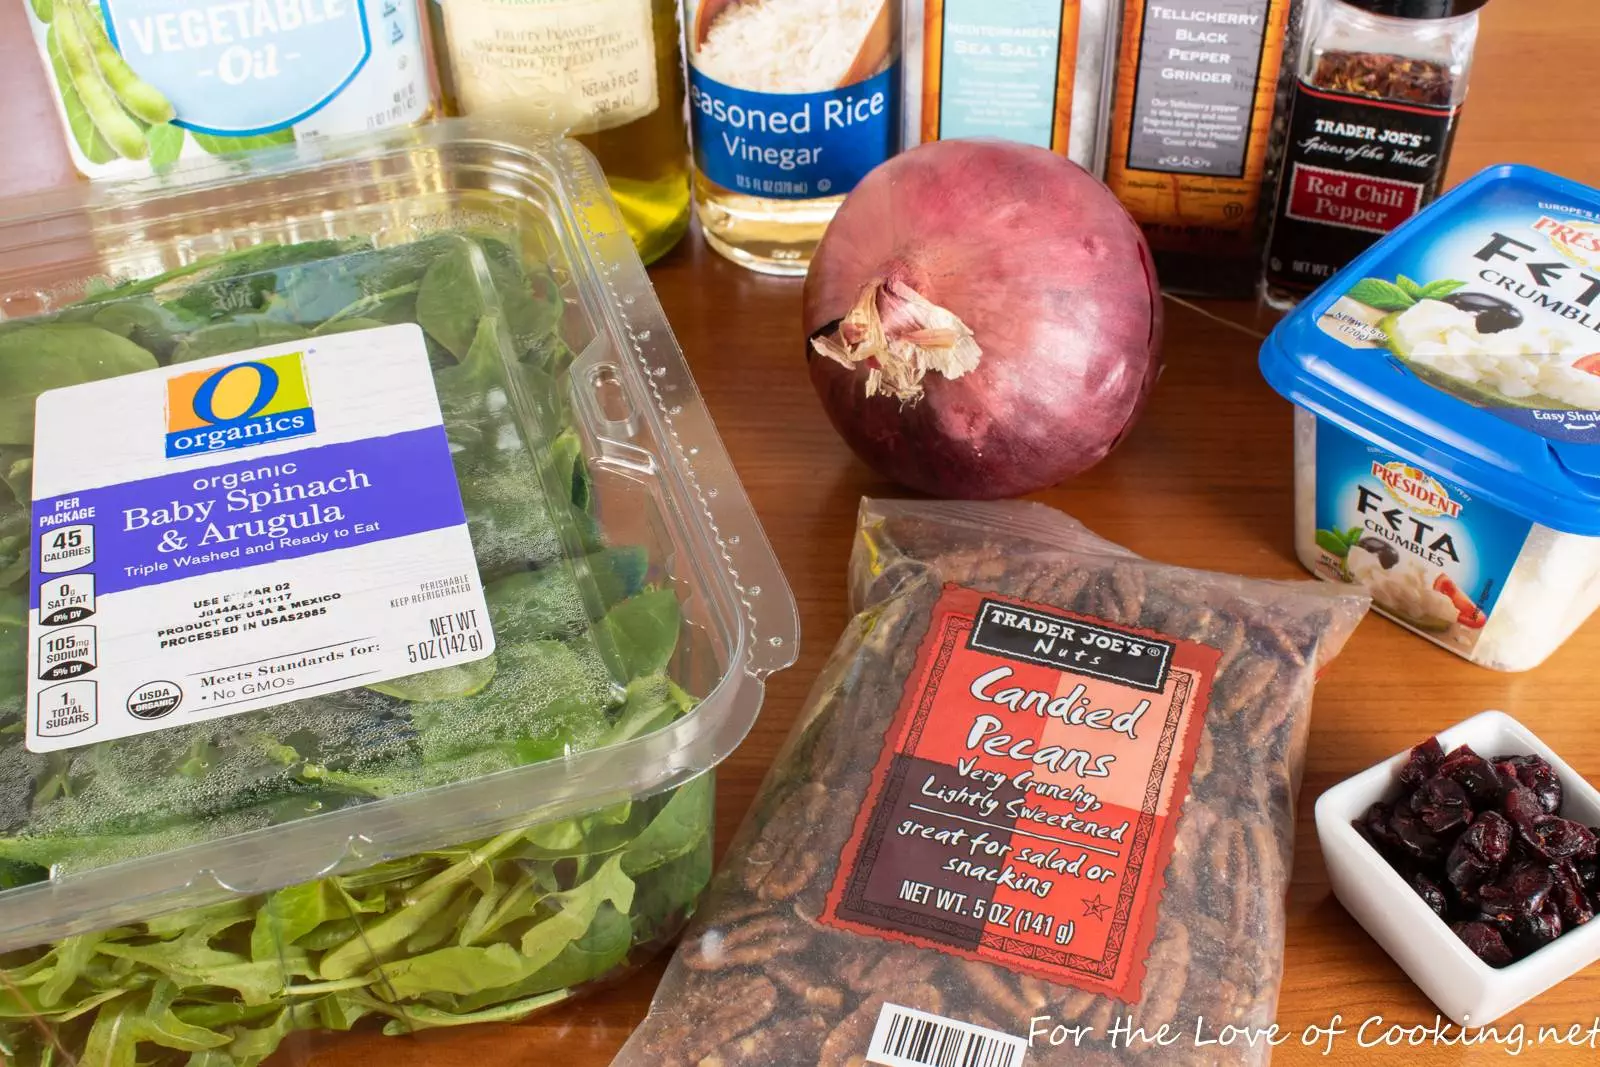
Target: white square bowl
1465, 988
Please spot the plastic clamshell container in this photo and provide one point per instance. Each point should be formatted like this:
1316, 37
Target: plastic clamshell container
1467, 990
494, 849
1447, 432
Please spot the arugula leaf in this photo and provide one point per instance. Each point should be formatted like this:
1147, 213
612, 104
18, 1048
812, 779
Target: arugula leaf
190, 961
575, 912
1382, 295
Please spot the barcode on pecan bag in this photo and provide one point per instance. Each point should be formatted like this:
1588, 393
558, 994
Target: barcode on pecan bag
905, 1037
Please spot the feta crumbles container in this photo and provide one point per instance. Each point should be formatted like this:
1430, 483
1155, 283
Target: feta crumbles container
1447, 431
385, 602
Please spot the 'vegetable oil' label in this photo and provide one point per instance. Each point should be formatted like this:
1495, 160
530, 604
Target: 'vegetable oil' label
1024, 808
142, 82
221, 536
996, 70
591, 63
1355, 168
773, 116
1432, 556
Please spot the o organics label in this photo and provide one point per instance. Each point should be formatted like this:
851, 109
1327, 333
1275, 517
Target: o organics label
1024, 807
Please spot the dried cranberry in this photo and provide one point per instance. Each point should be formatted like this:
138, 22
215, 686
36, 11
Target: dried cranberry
1535, 773
1432, 894
1556, 839
1588, 874
1477, 854
1519, 892
1485, 942
1533, 931
1570, 897
1423, 762
1441, 805
1522, 806
1416, 841
1474, 774
1374, 826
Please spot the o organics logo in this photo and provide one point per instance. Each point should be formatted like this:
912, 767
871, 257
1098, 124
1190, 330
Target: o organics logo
1416, 489
1578, 241
239, 405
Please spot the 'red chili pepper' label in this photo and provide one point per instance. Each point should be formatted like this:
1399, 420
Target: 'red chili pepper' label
1356, 167
1023, 810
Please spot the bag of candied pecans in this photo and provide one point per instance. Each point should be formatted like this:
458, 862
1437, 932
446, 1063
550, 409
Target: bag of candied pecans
1039, 805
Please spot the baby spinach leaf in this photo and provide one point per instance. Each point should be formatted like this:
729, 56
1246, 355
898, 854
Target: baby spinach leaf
48, 356
667, 895
679, 827
644, 631
236, 335
450, 302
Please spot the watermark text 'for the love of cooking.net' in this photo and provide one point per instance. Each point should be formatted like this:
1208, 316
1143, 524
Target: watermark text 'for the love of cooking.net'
1372, 1032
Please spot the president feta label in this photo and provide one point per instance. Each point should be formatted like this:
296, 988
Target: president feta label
142, 83
1434, 557
772, 114
222, 536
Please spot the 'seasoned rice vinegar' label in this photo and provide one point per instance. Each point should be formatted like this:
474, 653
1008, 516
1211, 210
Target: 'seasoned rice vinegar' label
1196, 86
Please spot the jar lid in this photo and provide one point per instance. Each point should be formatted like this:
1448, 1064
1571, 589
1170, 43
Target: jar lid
1419, 9
1468, 342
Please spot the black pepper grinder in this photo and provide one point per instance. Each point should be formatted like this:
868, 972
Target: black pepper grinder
1379, 87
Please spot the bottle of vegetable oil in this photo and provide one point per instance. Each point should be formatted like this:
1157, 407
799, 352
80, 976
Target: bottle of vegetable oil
609, 73
791, 103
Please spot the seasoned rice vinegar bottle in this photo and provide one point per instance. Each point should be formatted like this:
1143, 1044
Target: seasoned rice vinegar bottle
610, 73
791, 103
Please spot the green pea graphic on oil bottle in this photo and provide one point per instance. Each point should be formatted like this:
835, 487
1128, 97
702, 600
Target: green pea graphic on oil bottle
144, 83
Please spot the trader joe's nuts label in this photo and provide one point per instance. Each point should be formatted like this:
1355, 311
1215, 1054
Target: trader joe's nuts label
228, 534
1025, 804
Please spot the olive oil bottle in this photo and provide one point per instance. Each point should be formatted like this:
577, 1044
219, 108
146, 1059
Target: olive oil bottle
608, 72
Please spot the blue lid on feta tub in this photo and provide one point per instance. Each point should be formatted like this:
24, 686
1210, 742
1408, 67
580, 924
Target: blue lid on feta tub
1468, 340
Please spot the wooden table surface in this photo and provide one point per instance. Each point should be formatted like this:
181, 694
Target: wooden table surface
1204, 482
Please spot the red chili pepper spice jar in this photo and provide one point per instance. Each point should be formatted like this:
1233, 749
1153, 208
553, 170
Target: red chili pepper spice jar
1379, 88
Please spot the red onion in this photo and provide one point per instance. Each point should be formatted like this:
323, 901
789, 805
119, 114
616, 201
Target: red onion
983, 319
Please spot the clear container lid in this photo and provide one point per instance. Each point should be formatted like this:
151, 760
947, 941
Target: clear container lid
636, 604
1468, 340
